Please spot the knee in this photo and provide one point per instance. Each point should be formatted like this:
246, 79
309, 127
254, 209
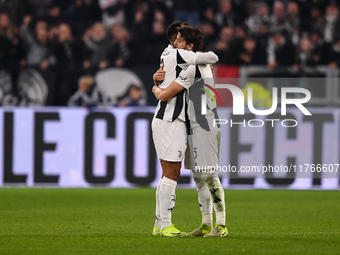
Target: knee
172, 170
199, 183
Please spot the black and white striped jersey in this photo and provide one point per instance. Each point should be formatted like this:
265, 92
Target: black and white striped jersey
198, 80
174, 60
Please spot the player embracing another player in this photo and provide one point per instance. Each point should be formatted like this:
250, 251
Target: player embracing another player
169, 129
203, 137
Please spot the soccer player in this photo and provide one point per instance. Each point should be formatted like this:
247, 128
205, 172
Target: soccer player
169, 130
203, 136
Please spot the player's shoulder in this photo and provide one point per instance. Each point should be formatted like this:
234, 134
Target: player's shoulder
168, 50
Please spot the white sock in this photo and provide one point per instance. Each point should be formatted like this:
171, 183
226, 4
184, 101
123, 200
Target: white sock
205, 201
167, 200
217, 195
158, 222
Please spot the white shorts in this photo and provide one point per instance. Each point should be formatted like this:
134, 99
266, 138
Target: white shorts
169, 139
203, 150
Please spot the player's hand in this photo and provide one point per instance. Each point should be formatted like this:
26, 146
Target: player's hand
159, 75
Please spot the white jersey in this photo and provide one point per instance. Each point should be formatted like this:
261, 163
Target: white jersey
174, 60
195, 79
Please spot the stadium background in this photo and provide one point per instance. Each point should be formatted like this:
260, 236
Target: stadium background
47, 45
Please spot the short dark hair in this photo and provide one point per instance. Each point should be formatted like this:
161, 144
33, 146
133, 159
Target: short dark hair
173, 29
192, 35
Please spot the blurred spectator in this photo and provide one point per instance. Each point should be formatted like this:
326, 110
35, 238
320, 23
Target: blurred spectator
304, 54
280, 51
69, 53
209, 31
207, 10
295, 25
88, 95
141, 17
53, 34
240, 33
317, 46
278, 18
134, 97
251, 53
332, 22
82, 15
187, 10
259, 22
11, 54
116, 30
38, 8
15, 9
155, 45
124, 50
53, 16
226, 17
237, 43
316, 21
40, 54
100, 46
333, 54
139, 20
7, 29
162, 12
223, 48
38, 50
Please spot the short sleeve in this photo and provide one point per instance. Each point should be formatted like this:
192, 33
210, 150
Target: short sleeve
186, 76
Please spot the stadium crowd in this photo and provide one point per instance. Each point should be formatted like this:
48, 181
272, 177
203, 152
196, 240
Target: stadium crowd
64, 40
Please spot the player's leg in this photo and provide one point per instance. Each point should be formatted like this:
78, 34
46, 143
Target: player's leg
205, 201
206, 144
158, 223
170, 149
167, 194
205, 204
217, 195
157, 229
203, 193
168, 198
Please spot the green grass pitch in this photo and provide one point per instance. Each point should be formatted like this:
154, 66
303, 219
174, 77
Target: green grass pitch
120, 221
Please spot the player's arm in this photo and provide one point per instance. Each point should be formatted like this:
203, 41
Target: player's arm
157, 91
198, 58
169, 92
183, 81
206, 58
